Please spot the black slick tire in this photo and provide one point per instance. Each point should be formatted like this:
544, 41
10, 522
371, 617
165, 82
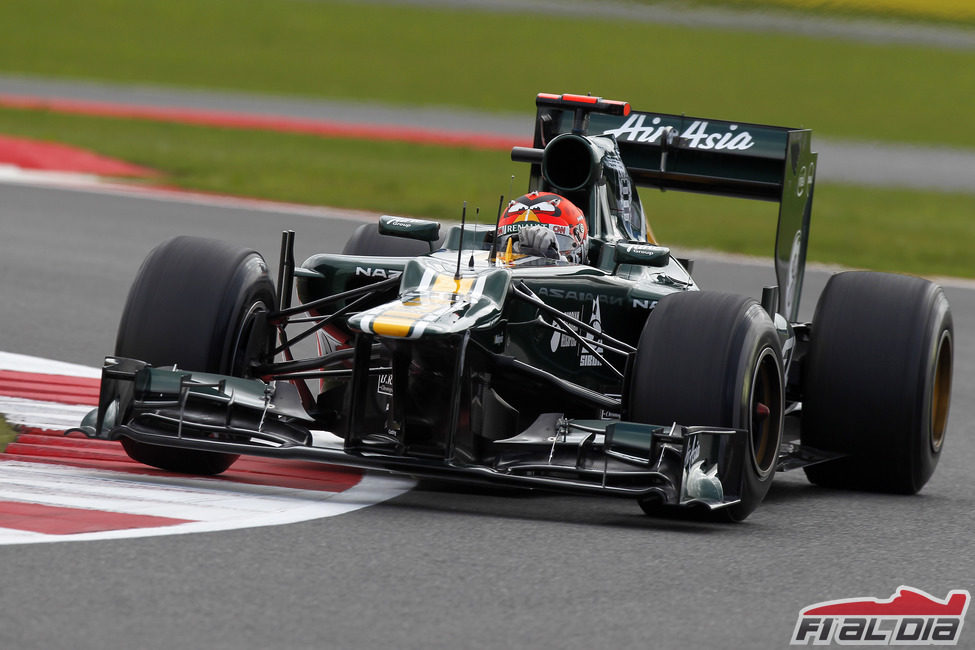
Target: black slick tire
713, 359
877, 381
196, 303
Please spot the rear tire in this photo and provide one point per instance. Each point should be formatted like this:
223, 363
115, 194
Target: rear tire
710, 359
199, 304
877, 381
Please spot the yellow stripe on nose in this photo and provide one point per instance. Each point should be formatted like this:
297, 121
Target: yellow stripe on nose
392, 326
448, 284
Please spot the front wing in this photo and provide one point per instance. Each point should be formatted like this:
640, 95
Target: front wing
673, 465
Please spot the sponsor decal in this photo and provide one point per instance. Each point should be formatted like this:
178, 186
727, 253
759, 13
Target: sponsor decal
624, 191
580, 296
648, 250
605, 414
403, 222
587, 358
696, 136
371, 272
793, 277
560, 340
386, 384
507, 229
909, 617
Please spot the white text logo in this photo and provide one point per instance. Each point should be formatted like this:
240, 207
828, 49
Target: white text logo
909, 617
696, 136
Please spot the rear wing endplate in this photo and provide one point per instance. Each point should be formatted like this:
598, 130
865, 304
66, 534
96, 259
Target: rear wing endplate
692, 154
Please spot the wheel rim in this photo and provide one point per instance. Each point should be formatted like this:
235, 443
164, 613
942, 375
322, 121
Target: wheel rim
941, 393
765, 413
244, 350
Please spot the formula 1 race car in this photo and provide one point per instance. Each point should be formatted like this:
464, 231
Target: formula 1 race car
571, 353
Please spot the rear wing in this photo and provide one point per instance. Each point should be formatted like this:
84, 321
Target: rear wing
677, 152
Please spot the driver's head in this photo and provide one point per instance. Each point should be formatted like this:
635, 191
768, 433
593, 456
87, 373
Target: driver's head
552, 212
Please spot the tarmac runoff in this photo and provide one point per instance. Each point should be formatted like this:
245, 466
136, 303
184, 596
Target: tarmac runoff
763, 20
78, 172
876, 164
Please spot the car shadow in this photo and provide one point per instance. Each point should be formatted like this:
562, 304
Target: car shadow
544, 506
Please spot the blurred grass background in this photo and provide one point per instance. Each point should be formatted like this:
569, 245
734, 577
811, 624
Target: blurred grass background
496, 61
7, 433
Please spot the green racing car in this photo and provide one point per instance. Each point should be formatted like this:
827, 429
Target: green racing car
562, 349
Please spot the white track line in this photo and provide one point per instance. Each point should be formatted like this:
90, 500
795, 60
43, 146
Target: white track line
25, 363
212, 503
50, 416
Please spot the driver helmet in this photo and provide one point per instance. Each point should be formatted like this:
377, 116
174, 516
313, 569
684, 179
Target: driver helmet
553, 212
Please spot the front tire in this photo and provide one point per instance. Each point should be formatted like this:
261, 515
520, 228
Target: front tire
877, 381
198, 304
713, 359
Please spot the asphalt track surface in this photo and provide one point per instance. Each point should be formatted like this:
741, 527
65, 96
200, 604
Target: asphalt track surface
761, 20
440, 567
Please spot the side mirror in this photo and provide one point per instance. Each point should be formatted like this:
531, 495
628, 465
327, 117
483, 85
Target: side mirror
641, 254
428, 231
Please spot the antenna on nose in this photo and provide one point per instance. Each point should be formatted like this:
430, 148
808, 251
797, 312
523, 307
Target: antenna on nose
460, 247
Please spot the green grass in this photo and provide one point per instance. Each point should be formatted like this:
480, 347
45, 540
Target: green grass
926, 233
389, 177
7, 433
919, 232
497, 61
